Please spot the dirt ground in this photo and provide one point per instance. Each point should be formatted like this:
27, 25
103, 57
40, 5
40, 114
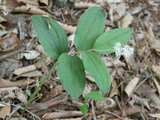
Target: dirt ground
135, 89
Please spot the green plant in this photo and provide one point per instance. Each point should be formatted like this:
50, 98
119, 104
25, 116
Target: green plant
90, 40
92, 95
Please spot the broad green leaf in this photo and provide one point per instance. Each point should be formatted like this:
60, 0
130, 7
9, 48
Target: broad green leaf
90, 27
51, 35
96, 67
95, 96
106, 42
72, 74
83, 108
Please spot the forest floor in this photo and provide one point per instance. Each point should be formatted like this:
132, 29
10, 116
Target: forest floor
135, 89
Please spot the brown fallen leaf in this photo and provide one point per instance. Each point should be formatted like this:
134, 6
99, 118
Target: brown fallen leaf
131, 86
62, 114
53, 93
128, 111
2, 19
156, 69
49, 104
14, 51
154, 43
8, 32
110, 62
35, 73
146, 90
131, 62
32, 10
30, 2
5, 111
157, 84
71, 119
140, 101
44, 2
154, 115
127, 20
68, 28
114, 87
7, 83
8, 41
104, 105
82, 5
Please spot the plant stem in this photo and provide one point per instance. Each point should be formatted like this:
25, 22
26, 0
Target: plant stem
40, 85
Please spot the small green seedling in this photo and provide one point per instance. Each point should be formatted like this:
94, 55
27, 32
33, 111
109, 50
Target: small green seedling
90, 40
92, 95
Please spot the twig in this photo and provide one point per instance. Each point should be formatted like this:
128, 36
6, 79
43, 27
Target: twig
112, 113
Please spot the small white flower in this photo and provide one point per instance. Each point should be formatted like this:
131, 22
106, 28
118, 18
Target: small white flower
118, 49
126, 50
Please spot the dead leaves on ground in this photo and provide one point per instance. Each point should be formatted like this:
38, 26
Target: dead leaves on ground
135, 80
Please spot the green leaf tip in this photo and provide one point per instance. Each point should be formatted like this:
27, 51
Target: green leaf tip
95, 96
51, 35
90, 27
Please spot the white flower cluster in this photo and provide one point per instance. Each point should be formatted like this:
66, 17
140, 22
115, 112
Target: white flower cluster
126, 50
